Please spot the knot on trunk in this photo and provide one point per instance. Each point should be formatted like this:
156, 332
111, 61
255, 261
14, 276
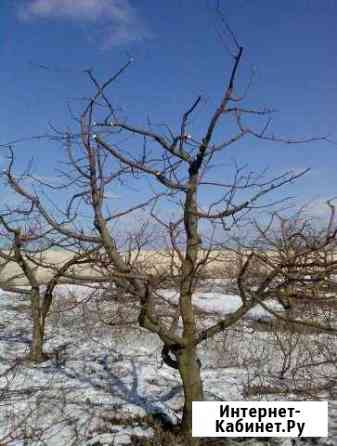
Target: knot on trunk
169, 355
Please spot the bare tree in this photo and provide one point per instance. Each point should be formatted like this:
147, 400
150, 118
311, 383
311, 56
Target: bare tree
172, 167
296, 259
27, 269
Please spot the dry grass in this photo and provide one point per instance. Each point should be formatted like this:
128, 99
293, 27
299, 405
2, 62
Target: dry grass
151, 262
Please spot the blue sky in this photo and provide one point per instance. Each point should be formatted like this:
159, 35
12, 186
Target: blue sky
178, 56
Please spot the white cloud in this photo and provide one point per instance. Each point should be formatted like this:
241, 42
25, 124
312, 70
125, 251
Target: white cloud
119, 20
88, 10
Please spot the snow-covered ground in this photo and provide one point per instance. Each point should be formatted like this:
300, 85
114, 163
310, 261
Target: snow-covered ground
106, 380
218, 303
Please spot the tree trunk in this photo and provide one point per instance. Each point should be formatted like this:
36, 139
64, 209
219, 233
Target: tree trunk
189, 369
36, 350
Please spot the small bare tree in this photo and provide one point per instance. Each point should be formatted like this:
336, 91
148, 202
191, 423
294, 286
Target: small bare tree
28, 270
301, 256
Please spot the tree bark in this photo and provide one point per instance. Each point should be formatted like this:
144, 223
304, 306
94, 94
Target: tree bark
36, 353
189, 369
